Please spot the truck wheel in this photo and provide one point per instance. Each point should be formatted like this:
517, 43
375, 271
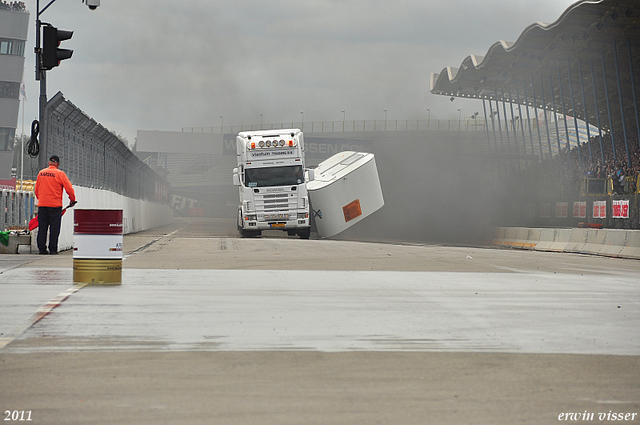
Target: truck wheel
305, 234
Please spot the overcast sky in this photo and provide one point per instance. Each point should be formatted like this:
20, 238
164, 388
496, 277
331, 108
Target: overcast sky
168, 64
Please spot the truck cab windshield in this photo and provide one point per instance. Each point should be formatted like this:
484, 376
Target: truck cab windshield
274, 176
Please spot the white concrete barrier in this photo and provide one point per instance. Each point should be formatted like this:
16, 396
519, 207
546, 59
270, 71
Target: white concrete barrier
510, 236
534, 237
547, 238
614, 242
632, 248
498, 235
577, 240
561, 240
595, 241
523, 239
138, 214
606, 242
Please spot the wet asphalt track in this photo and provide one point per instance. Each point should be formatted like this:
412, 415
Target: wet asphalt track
194, 287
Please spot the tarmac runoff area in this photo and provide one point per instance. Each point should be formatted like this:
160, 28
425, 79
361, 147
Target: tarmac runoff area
209, 328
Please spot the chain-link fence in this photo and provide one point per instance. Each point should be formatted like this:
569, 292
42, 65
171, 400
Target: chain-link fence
92, 156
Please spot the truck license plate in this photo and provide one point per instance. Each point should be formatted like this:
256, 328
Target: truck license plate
277, 225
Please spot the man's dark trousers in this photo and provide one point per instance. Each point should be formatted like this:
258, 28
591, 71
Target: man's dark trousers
49, 218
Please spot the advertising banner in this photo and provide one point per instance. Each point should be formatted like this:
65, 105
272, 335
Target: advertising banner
599, 209
561, 209
620, 208
8, 184
580, 209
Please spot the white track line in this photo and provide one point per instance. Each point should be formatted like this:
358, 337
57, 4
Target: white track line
42, 312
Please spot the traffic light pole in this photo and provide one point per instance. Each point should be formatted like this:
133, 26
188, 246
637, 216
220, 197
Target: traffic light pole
41, 76
48, 56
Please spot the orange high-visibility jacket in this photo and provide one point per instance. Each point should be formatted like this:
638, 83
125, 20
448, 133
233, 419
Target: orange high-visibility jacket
49, 187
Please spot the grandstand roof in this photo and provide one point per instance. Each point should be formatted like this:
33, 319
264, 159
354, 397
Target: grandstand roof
588, 34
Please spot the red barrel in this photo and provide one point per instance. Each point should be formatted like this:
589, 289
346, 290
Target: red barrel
97, 246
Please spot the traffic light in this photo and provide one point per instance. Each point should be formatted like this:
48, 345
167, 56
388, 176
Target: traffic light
51, 53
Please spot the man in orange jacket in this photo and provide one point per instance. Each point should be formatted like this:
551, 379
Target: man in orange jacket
48, 190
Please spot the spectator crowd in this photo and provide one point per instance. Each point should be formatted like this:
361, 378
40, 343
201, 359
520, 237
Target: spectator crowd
563, 174
616, 167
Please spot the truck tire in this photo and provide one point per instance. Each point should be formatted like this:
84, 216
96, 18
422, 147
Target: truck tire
305, 234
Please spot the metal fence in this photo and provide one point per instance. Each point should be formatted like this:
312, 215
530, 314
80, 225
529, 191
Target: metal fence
92, 156
534, 136
16, 209
477, 124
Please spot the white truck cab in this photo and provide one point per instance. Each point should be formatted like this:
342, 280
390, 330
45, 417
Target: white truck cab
271, 183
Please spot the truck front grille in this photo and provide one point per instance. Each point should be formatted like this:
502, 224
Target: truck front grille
275, 203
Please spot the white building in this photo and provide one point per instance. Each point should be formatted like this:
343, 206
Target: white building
14, 25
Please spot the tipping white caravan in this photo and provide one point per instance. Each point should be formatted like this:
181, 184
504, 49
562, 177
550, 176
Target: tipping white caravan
344, 190
271, 183
277, 192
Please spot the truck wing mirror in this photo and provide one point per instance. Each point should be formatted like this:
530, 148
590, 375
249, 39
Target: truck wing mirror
236, 177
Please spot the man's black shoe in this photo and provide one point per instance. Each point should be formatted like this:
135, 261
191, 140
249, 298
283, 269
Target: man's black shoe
54, 253
43, 252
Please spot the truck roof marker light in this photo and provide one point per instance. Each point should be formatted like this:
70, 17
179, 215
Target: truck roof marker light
253, 145
261, 144
290, 142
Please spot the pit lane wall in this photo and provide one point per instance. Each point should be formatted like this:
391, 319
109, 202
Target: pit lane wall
605, 242
138, 214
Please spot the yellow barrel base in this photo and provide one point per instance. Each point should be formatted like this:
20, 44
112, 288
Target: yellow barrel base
97, 272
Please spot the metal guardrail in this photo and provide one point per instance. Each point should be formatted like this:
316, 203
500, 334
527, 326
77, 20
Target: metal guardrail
17, 208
